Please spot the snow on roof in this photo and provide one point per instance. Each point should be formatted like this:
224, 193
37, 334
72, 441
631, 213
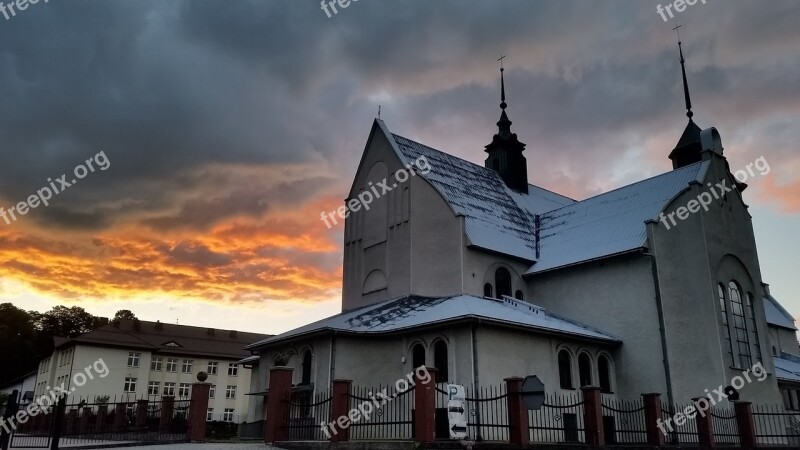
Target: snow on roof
610, 223
500, 219
413, 311
776, 314
787, 369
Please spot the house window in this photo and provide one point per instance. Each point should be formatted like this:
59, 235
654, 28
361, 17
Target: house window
306, 375
518, 295
585, 369
753, 327
153, 387
233, 369
230, 392
172, 364
440, 361
227, 416
740, 325
209, 414
418, 355
212, 391
487, 290
604, 373
130, 384
212, 367
725, 325
183, 390
502, 282
565, 369
133, 359
187, 366
169, 389
155, 363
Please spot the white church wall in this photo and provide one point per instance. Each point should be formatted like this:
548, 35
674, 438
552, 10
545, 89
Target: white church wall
480, 267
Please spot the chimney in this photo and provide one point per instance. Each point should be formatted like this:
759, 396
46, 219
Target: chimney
159, 325
137, 325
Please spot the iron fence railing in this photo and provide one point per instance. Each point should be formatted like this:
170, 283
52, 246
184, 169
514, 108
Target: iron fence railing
624, 421
559, 420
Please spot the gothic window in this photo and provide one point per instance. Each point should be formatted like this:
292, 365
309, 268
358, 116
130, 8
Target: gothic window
487, 290
585, 369
306, 379
518, 295
604, 373
440, 361
753, 327
565, 369
502, 282
739, 325
418, 355
726, 328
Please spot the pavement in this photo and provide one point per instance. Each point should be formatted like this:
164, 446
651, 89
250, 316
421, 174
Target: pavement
214, 446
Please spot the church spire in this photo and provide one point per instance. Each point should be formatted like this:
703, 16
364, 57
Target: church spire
689, 149
505, 151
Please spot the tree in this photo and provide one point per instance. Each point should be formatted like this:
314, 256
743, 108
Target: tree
19, 343
68, 322
124, 314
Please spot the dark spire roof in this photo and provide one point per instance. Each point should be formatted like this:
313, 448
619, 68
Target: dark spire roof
504, 124
505, 151
686, 96
689, 149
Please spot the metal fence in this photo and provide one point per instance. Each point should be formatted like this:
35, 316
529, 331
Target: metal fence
305, 411
559, 420
723, 425
775, 426
624, 421
391, 418
682, 433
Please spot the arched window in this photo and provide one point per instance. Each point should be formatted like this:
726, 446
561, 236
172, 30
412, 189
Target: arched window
604, 373
440, 361
585, 369
753, 328
487, 290
418, 355
518, 295
306, 379
739, 325
502, 282
726, 328
565, 369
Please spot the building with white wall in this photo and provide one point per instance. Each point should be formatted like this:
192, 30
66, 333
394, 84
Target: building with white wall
132, 359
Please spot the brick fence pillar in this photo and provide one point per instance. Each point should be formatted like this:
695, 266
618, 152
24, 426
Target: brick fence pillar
340, 407
747, 428
652, 418
593, 416
198, 409
517, 413
280, 390
705, 431
167, 408
425, 407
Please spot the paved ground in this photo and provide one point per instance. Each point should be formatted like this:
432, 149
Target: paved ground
218, 446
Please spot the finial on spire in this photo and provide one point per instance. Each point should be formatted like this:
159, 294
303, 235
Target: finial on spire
379, 112
688, 99
502, 83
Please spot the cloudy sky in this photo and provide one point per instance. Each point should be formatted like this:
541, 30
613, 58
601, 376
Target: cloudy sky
230, 125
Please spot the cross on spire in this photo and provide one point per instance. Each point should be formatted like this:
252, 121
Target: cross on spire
502, 83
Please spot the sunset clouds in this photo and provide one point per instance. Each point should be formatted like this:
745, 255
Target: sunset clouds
231, 125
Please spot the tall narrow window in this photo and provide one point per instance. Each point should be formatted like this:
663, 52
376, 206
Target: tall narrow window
753, 327
585, 369
726, 328
487, 290
518, 295
604, 373
418, 355
740, 325
440, 361
502, 282
306, 379
565, 369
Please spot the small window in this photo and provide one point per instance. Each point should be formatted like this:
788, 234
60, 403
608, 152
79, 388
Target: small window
187, 366
209, 414
306, 375
487, 290
565, 369
502, 281
183, 390
212, 367
212, 391
518, 295
227, 416
233, 369
169, 389
133, 359
440, 361
230, 392
418, 355
604, 373
155, 363
153, 387
585, 369
172, 364
130, 384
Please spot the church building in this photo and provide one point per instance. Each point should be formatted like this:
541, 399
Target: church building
480, 273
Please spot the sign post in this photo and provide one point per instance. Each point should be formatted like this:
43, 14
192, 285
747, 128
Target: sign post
533, 392
456, 414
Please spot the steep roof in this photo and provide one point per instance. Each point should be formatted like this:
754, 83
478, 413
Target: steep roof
787, 368
170, 338
411, 311
503, 220
776, 314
